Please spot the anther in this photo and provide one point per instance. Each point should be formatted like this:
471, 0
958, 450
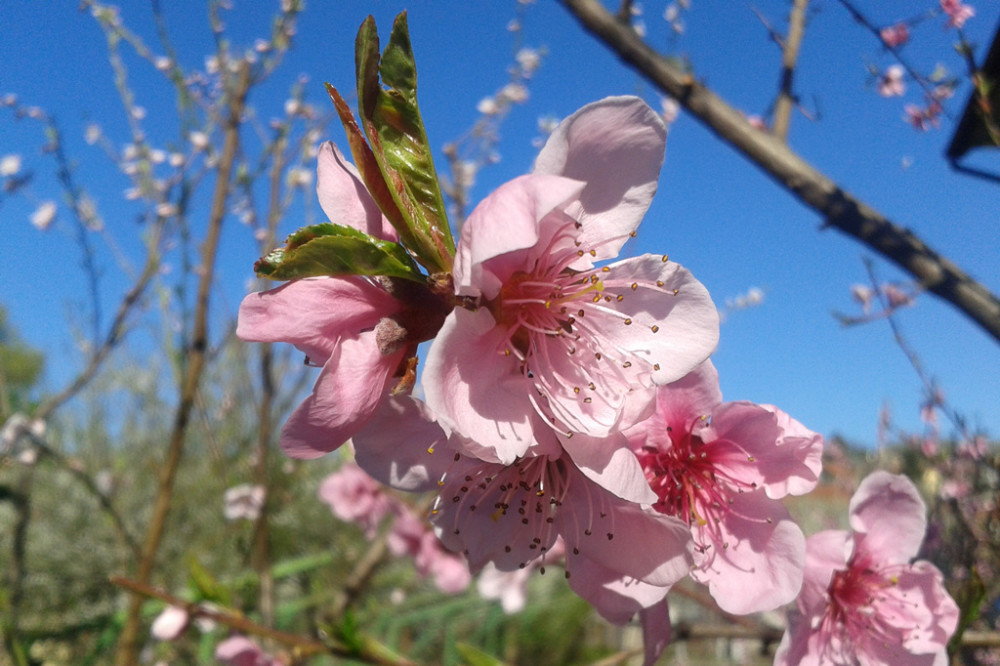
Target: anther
628, 322
654, 328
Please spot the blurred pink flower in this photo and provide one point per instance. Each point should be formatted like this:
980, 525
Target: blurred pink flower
545, 331
895, 35
957, 12
345, 324
355, 497
170, 623
862, 600
720, 468
241, 651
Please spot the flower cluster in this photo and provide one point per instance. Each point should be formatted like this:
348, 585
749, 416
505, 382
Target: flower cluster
570, 413
568, 399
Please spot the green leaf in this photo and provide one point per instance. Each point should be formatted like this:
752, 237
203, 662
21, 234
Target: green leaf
473, 656
332, 249
391, 120
206, 585
299, 565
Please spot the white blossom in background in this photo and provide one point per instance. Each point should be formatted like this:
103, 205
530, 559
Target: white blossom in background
175, 160
488, 106
43, 216
199, 140
243, 501
528, 59
300, 177
138, 112
163, 63
262, 46
670, 110
10, 165
166, 209
513, 92
92, 134
87, 210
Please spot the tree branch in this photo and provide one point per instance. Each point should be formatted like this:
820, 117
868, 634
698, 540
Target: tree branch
839, 208
789, 56
127, 653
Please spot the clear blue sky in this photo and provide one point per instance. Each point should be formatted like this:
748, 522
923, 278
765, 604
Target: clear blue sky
714, 212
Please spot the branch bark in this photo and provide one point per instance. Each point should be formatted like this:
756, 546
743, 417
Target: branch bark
789, 56
838, 207
128, 646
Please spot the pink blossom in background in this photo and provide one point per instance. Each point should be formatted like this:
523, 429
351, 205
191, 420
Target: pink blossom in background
169, 624
355, 497
241, 651
895, 36
546, 332
720, 468
891, 84
957, 12
343, 324
862, 600
243, 501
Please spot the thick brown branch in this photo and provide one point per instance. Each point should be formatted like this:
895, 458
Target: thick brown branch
838, 207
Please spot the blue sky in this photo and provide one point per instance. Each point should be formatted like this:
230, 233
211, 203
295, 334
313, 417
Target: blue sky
714, 212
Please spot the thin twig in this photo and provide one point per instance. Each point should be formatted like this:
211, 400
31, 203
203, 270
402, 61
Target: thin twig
789, 57
838, 207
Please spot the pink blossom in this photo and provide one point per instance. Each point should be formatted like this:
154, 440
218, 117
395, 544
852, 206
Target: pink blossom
411, 536
957, 13
241, 651
348, 325
448, 570
170, 623
862, 600
891, 84
355, 497
510, 587
720, 468
546, 332
511, 515
895, 35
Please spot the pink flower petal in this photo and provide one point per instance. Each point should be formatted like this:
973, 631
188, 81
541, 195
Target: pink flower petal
757, 559
609, 463
889, 516
616, 146
344, 197
664, 558
507, 221
314, 313
617, 598
826, 552
656, 631
695, 394
477, 388
399, 446
674, 326
349, 389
